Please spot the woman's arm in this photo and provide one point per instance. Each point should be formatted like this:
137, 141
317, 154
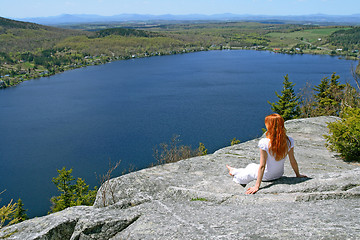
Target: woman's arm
294, 164
263, 157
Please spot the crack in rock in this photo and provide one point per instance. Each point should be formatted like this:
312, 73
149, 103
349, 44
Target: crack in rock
326, 196
101, 230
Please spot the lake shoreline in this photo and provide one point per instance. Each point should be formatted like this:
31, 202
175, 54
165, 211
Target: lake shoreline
158, 54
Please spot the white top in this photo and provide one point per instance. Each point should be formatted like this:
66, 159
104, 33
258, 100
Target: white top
273, 169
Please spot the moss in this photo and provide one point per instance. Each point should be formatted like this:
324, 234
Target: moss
199, 199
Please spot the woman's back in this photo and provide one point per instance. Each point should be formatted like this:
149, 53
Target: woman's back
274, 168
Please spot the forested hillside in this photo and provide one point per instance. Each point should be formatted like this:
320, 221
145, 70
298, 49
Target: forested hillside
126, 32
347, 39
18, 36
30, 50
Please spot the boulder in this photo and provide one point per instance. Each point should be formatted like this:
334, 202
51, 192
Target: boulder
197, 199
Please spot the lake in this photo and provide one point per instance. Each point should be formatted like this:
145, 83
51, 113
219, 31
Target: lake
83, 118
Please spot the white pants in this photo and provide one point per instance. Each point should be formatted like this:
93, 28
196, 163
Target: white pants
245, 175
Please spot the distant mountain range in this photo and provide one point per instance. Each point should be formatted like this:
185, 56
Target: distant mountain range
66, 19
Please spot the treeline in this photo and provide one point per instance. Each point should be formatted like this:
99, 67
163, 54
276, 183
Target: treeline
328, 98
121, 46
125, 32
348, 39
231, 34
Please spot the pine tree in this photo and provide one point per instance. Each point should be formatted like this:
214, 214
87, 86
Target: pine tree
288, 104
82, 195
63, 183
71, 194
202, 150
328, 96
20, 212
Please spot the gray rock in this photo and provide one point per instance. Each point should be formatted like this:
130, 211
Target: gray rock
197, 199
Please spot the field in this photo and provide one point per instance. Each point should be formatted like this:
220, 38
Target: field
312, 36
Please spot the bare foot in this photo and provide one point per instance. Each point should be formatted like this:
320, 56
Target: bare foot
230, 169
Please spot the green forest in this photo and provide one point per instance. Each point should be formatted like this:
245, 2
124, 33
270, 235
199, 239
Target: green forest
29, 50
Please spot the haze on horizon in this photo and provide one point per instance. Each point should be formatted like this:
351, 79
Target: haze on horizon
46, 8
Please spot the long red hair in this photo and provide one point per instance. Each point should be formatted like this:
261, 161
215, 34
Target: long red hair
276, 132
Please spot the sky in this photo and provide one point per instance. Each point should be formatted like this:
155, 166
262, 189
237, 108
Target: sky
45, 8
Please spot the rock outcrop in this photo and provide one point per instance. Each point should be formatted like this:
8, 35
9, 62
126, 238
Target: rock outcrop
197, 199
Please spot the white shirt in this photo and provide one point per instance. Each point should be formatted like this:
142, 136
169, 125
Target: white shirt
273, 169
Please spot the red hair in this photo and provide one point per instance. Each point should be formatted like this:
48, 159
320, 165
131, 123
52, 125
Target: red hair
276, 132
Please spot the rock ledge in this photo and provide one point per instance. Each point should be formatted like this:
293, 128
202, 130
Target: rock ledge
197, 199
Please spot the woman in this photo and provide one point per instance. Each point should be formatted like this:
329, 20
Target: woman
273, 150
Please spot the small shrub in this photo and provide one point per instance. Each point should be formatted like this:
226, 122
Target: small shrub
107, 188
173, 152
350, 99
234, 141
344, 135
202, 151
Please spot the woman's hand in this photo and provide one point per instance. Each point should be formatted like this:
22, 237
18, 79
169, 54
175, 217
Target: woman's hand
252, 190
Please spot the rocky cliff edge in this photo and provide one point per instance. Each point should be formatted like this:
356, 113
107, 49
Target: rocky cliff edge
197, 199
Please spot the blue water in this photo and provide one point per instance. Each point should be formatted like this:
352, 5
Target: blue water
119, 111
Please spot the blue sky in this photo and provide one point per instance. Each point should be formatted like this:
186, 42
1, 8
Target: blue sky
44, 8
